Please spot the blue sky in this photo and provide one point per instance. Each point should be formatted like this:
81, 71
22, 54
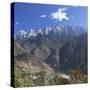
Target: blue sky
29, 15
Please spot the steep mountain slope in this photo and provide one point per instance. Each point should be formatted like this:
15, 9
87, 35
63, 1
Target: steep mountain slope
73, 54
59, 48
31, 62
18, 49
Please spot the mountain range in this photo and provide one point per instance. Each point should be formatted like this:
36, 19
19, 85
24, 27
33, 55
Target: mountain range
56, 49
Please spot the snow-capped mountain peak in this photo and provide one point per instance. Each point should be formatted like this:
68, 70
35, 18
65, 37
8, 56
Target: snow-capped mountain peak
22, 34
46, 31
49, 28
32, 33
58, 28
40, 31
66, 30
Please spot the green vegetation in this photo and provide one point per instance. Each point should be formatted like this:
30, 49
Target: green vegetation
77, 76
24, 78
58, 81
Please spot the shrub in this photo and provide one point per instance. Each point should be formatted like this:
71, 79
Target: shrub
58, 81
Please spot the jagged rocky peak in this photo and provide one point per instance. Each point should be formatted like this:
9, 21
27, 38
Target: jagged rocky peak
58, 28
66, 30
21, 34
40, 31
47, 30
32, 32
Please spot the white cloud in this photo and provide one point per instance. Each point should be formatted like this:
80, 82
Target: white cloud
60, 14
16, 23
43, 16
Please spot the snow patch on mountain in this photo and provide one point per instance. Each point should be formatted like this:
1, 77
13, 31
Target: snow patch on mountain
32, 33
22, 34
40, 31
66, 30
